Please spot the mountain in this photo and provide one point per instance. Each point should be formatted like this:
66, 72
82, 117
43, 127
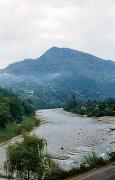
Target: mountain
5, 93
60, 72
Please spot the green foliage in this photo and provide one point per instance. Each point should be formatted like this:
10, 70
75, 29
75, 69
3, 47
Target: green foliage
88, 163
13, 129
28, 159
91, 108
16, 109
9, 132
16, 115
27, 108
93, 161
62, 70
70, 104
111, 156
5, 93
28, 123
4, 114
12, 109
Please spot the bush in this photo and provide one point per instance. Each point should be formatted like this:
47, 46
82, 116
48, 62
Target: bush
112, 156
13, 129
91, 108
28, 159
93, 161
28, 123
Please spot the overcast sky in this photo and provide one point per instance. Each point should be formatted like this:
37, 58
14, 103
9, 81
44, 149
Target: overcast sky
29, 27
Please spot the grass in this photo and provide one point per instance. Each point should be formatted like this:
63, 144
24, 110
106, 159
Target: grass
92, 161
14, 129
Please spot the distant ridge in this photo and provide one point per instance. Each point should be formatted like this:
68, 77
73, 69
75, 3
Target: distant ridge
64, 70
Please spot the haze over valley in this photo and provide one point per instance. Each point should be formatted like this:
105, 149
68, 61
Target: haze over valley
57, 89
59, 73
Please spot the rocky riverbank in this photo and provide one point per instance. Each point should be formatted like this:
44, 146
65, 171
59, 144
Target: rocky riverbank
107, 119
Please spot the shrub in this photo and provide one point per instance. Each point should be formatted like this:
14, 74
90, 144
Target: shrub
27, 159
93, 161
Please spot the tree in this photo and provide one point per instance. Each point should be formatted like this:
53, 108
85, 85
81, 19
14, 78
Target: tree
4, 115
28, 109
4, 112
16, 109
70, 104
27, 159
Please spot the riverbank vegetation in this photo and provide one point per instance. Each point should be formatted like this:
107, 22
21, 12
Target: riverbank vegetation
91, 108
90, 162
28, 159
13, 129
16, 115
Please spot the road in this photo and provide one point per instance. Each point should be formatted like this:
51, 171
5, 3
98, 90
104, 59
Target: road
106, 173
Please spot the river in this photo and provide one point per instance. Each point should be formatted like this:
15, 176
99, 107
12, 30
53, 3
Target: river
70, 136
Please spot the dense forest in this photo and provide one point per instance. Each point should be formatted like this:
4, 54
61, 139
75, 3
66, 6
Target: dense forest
91, 108
57, 74
12, 108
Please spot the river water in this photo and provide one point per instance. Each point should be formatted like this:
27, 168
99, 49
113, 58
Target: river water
70, 136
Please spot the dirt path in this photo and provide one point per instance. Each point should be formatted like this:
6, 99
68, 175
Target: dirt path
106, 173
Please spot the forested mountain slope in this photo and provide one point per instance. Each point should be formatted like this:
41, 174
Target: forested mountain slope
60, 72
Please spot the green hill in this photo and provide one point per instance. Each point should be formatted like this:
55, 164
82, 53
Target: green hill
58, 73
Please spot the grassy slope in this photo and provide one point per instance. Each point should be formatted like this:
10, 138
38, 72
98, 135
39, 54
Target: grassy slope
14, 129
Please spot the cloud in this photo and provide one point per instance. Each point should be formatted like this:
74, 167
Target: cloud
30, 27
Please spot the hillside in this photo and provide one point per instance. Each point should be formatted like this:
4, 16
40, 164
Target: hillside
4, 93
60, 72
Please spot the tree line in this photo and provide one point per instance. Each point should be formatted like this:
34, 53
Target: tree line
91, 108
12, 108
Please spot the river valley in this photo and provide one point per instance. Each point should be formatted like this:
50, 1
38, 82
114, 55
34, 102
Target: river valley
70, 136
